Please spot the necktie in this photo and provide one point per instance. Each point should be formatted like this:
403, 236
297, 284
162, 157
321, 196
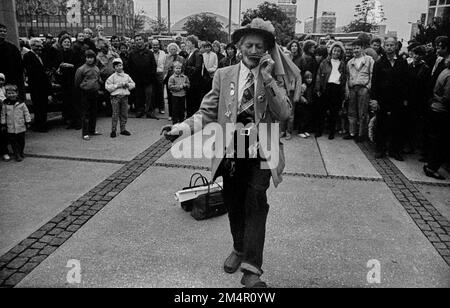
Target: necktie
248, 96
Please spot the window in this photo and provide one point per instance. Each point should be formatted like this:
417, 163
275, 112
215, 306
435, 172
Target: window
433, 2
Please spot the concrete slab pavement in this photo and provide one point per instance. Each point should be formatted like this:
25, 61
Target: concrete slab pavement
413, 170
33, 191
345, 158
321, 233
62, 142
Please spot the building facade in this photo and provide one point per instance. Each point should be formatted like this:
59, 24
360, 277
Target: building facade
289, 7
438, 9
39, 17
325, 23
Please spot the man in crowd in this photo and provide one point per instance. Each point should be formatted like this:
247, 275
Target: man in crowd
39, 82
443, 53
158, 90
390, 93
142, 68
257, 97
11, 64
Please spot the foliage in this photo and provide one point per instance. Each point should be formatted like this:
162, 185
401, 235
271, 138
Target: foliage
139, 22
158, 26
205, 27
284, 28
368, 15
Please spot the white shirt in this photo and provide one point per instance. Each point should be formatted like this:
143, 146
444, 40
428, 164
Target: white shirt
243, 75
359, 61
160, 58
211, 62
335, 76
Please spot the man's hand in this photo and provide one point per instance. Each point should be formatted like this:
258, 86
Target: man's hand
171, 133
374, 105
267, 65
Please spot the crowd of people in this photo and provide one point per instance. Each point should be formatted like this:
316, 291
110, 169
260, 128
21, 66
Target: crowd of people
362, 91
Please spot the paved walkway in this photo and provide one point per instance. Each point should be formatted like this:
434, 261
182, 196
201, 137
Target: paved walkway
109, 204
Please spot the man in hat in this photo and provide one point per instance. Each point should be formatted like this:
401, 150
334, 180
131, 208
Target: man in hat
246, 94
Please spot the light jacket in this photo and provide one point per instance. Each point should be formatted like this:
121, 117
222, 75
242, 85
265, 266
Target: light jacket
15, 116
220, 105
361, 76
113, 82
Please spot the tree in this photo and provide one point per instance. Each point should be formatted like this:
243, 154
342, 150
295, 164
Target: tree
368, 15
205, 27
438, 27
284, 28
139, 22
158, 26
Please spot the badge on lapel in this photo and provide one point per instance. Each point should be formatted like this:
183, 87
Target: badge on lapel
261, 98
232, 89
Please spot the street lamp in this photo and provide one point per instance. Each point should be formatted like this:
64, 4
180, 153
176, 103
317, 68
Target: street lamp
316, 4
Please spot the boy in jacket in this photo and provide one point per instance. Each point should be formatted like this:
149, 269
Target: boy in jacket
15, 118
119, 85
87, 80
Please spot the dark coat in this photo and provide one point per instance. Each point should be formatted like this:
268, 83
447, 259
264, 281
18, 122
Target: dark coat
37, 78
66, 76
142, 66
389, 84
419, 76
308, 63
79, 50
193, 69
11, 65
324, 72
228, 62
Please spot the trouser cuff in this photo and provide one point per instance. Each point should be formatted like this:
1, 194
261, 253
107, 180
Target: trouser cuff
251, 268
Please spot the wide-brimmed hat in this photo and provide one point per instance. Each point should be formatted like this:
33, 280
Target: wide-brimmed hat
257, 26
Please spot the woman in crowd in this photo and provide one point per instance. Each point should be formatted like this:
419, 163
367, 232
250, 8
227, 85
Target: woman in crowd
330, 87
295, 52
173, 57
217, 50
66, 77
231, 58
210, 65
193, 70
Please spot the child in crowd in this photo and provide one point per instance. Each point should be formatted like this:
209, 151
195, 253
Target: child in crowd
3, 137
119, 85
15, 118
88, 81
304, 108
178, 84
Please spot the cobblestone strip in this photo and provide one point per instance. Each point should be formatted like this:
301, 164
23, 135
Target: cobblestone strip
29, 253
433, 225
92, 160
434, 184
292, 174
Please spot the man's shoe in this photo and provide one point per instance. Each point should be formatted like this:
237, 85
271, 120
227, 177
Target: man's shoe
96, 134
18, 158
432, 174
288, 136
6, 157
348, 137
125, 133
331, 137
86, 138
113, 135
232, 263
252, 281
152, 116
396, 156
318, 135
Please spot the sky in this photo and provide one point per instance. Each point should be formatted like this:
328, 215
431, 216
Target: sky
397, 12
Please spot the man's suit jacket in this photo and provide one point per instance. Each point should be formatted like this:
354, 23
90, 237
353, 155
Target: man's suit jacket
272, 105
193, 69
37, 77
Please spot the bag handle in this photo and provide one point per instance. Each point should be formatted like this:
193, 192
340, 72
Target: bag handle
199, 176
